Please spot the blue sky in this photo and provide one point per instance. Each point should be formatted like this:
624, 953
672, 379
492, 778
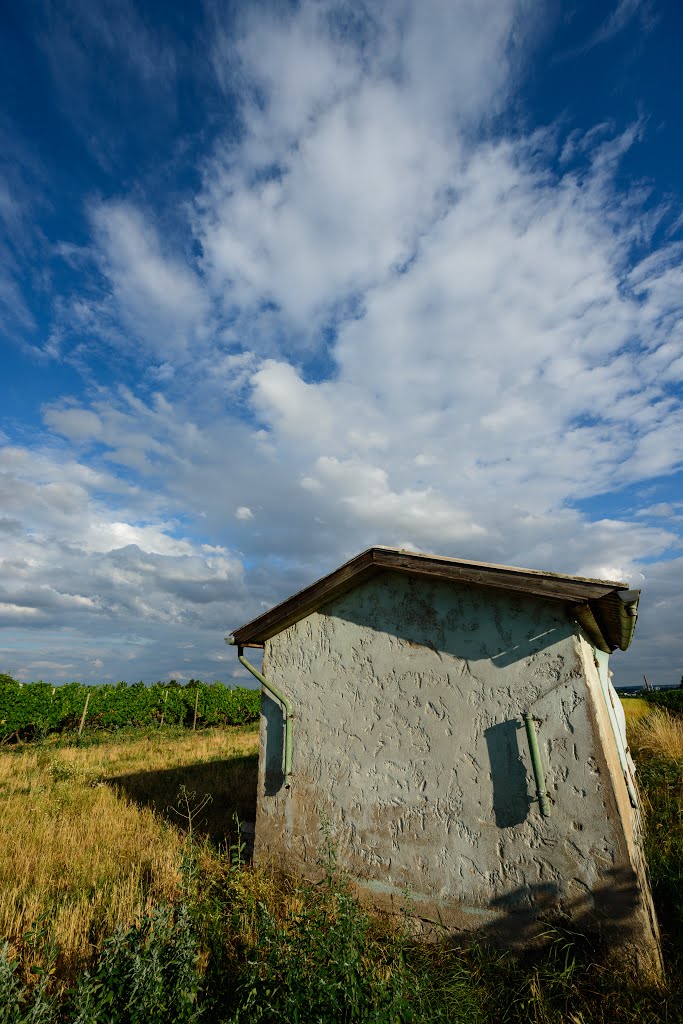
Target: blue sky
281, 281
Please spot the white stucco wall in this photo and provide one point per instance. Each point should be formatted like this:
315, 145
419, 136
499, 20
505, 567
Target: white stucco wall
408, 739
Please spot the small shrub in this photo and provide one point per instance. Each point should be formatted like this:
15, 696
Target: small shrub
20, 1003
10, 987
671, 700
145, 975
321, 965
64, 771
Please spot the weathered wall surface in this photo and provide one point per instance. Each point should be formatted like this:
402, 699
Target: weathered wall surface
408, 739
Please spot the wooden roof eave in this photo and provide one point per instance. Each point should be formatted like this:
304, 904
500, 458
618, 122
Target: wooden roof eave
586, 617
605, 621
301, 604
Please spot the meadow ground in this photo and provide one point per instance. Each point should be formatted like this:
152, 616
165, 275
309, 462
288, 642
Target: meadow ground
635, 708
116, 833
94, 835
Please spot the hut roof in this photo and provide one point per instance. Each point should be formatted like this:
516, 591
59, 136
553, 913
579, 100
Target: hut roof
607, 610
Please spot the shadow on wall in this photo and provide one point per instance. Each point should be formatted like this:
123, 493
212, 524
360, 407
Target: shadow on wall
468, 622
230, 784
511, 800
273, 746
606, 918
604, 921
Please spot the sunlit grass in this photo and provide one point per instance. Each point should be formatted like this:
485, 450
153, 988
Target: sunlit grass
635, 708
657, 734
76, 849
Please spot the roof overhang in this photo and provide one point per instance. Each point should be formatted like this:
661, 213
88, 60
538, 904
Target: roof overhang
606, 610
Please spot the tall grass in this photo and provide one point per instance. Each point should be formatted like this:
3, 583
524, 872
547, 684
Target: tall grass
657, 743
77, 848
201, 937
635, 708
657, 734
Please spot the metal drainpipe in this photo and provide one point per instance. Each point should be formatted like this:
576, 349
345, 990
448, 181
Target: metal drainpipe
286, 707
536, 764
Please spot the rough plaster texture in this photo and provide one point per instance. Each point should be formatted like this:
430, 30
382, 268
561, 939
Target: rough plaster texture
408, 739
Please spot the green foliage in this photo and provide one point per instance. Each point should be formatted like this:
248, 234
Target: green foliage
145, 975
672, 700
20, 1004
23, 1004
33, 710
661, 781
321, 959
11, 989
321, 965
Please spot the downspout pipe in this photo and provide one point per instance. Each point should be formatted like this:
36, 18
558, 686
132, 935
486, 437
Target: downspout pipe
543, 801
287, 712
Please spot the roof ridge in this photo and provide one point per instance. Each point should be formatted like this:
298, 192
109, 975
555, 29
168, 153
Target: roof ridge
499, 565
607, 629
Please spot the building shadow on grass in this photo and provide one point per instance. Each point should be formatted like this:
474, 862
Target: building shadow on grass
609, 923
203, 797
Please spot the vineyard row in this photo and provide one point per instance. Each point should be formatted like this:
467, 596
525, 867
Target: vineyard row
33, 710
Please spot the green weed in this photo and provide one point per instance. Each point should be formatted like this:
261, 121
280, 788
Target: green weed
661, 785
29, 1004
145, 975
236, 944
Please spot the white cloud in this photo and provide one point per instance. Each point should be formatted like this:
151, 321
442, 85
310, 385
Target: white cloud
349, 150
529, 374
402, 325
363, 490
74, 423
77, 564
158, 296
10, 613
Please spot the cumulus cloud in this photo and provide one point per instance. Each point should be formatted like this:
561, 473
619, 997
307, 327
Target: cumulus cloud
72, 566
158, 296
351, 142
389, 321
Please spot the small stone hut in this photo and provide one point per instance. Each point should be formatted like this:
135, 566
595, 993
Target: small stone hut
455, 724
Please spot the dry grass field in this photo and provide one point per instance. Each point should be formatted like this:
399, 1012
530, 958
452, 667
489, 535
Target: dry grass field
656, 733
635, 708
94, 836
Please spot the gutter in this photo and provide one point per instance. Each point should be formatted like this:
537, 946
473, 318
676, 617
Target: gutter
628, 615
610, 622
287, 712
